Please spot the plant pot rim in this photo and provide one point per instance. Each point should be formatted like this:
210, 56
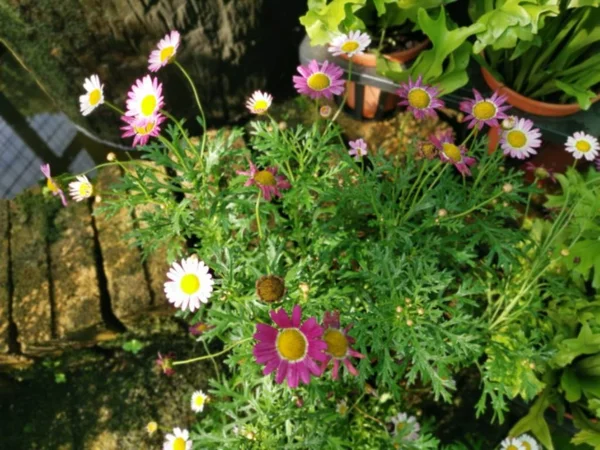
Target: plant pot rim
528, 104
400, 56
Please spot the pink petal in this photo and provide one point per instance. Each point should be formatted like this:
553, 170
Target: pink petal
336, 369
296, 316
281, 371
350, 367
281, 318
292, 377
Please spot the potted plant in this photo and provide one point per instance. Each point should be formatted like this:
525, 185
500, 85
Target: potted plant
401, 31
543, 55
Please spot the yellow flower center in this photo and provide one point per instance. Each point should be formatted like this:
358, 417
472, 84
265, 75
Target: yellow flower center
146, 129
349, 46
342, 409
199, 400
51, 185
291, 344
583, 146
400, 426
337, 344
261, 105
512, 447
95, 96
166, 53
151, 427
516, 138
85, 190
452, 151
265, 178
526, 445
318, 81
419, 98
179, 444
484, 110
148, 104
189, 283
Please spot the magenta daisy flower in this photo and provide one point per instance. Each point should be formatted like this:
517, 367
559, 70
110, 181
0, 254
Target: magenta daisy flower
52, 185
338, 345
165, 51
145, 98
267, 181
521, 140
450, 152
540, 171
141, 129
292, 349
319, 81
486, 111
421, 99
358, 149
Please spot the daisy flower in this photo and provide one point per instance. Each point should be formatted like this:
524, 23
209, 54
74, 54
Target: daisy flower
51, 184
259, 102
421, 99
349, 44
338, 345
450, 152
540, 171
141, 129
81, 189
486, 111
93, 97
199, 399
521, 140
145, 98
583, 145
511, 443
325, 111
190, 283
406, 426
178, 440
266, 180
319, 81
358, 149
165, 363
151, 428
293, 348
198, 329
270, 288
342, 408
528, 442
165, 51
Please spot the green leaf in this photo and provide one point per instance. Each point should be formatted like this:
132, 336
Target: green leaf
580, 3
534, 421
586, 343
571, 386
322, 19
587, 437
584, 96
133, 346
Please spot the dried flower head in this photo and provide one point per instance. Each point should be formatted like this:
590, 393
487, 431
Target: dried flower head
270, 288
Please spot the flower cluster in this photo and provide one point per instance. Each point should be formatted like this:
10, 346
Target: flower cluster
523, 442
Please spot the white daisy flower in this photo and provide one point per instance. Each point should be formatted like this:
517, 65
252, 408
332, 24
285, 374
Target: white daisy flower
342, 407
81, 189
259, 102
199, 399
151, 428
190, 284
522, 140
165, 51
511, 443
407, 425
93, 97
178, 440
349, 44
145, 98
583, 145
528, 442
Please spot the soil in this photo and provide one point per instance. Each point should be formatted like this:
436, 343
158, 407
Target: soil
396, 39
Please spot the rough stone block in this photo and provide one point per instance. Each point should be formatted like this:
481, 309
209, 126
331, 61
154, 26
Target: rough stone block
127, 285
77, 308
32, 308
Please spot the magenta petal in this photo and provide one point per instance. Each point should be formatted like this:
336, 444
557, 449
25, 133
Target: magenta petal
296, 316
292, 377
313, 367
265, 332
281, 318
281, 371
303, 373
336, 369
270, 366
350, 367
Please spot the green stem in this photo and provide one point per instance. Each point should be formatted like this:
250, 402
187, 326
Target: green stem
114, 108
72, 177
212, 358
480, 205
535, 180
169, 145
473, 132
185, 136
213, 355
339, 110
257, 212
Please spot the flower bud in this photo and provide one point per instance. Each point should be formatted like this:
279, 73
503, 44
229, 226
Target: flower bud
442, 213
509, 123
507, 188
111, 157
565, 252
325, 111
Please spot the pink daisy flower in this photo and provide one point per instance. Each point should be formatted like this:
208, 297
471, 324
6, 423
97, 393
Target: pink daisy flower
522, 140
358, 149
421, 99
165, 51
292, 349
145, 99
165, 363
319, 81
482, 111
51, 184
450, 152
267, 181
338, 345
141, 130
540, 171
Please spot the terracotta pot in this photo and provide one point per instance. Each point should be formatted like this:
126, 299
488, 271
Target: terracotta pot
372, 95
529, 105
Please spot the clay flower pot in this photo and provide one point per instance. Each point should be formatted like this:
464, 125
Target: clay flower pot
371, 95
529, 105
